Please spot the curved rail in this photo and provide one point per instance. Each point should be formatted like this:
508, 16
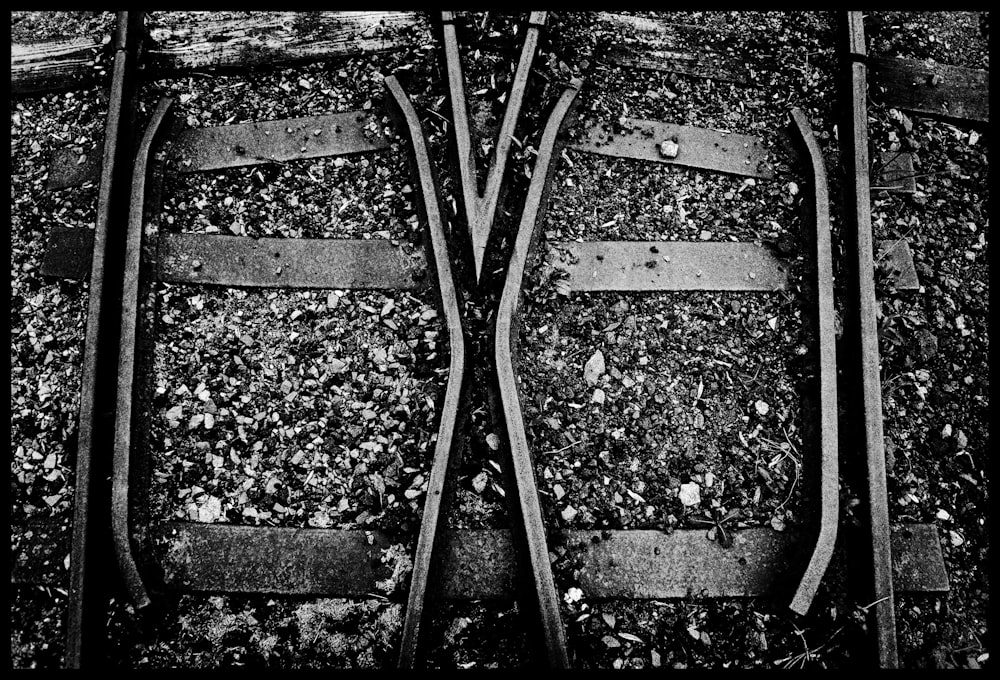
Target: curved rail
506, 335
438, 260
126, 366
829, 484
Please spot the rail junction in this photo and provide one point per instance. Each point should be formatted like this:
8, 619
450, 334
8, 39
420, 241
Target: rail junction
129, 253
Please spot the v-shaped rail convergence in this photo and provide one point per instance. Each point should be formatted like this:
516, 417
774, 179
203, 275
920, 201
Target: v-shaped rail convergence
464, 565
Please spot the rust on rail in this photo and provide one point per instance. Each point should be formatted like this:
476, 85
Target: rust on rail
863, 340
829, 486
446, 444
525, 493
126, 366
82, 619
480, 209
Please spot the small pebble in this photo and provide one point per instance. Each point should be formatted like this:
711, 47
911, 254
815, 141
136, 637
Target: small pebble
479, 482
961, 441
690, 494
594, 368
669, 148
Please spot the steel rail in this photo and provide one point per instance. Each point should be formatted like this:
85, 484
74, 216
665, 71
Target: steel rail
480, 208
445, 446
864, 338
524, 499
404, 112
98, 356
828, 434
126, 366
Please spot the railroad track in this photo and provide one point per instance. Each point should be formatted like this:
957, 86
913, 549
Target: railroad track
537, 559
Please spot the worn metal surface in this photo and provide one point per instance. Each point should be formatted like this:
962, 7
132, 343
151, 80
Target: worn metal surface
669, 265
894, 171
373, 264
84, 619
931, 89
863, 340
829, 486
524, 497
289, 263
480, 564
652, 564
697, 147
480, 208
465, 158
253, 559
121, 463
233, 146
68, 252
447, 438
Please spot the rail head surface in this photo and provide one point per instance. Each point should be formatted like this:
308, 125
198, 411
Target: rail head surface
126, 367
829, 484
480, 208
117, 148
865, 332
447, 298
524, 477
427, 540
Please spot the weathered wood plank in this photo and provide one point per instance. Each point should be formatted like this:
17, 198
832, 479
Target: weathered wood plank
269, 38
658, 28
57, 64
931, 89
255, 39
659, 44
703, 64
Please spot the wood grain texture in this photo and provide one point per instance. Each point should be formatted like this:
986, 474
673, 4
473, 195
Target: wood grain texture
192, 42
